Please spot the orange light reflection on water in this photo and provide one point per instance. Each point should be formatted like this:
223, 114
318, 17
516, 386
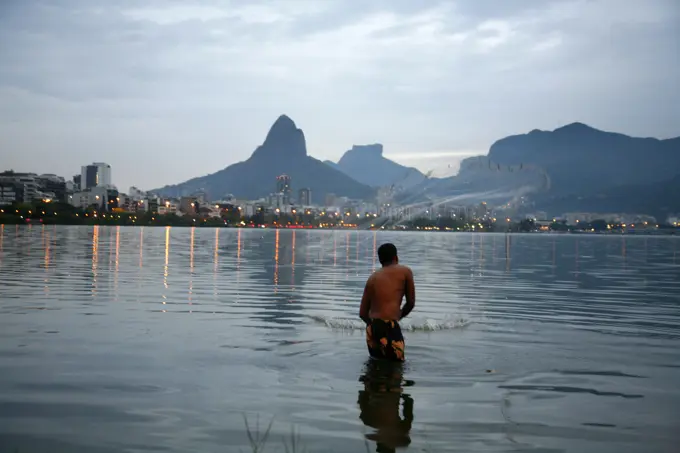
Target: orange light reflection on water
292, 262
238, 264
46, 246
95, 257
191, 265
276, 261
217, 247
216, 261
117, 248
167, 257
48, 243
191, 250
116, 261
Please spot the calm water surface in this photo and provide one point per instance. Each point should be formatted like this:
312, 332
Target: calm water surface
152, 339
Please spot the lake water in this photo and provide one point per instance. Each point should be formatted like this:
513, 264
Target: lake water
152, 339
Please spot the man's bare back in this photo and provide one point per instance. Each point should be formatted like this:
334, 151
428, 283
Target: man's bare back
385, 290
381, 308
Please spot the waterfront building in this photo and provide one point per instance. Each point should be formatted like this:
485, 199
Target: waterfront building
103, 198
27, 182
10, 192
305, 197
96, 174
283, 187
53, 187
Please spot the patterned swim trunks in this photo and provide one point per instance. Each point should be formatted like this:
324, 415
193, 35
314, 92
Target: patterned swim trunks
384, 340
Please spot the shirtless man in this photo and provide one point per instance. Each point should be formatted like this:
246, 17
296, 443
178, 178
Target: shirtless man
381, 305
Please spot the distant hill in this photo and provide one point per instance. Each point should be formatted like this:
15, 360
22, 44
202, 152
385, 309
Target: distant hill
659, 199
283, 151
573, 168
366, 164
582, 160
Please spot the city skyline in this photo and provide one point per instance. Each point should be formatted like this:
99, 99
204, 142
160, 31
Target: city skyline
434, 82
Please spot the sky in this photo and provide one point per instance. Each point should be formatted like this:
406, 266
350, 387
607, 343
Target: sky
168, 90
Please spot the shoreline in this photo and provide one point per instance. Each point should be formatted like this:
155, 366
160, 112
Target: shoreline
214, 225
64, 214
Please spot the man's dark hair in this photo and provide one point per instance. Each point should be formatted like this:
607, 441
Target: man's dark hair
387, 253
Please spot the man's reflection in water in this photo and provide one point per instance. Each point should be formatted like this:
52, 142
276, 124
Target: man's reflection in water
379, 403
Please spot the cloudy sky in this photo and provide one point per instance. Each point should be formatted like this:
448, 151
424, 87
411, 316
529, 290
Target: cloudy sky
168, 90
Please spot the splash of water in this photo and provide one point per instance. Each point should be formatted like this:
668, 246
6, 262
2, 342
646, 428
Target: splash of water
415, 324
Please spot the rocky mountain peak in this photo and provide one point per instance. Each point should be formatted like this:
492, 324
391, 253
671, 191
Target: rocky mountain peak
284, 139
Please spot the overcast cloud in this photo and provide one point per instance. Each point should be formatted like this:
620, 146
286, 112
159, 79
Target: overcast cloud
168, 90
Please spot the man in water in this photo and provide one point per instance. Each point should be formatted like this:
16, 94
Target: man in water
381, 305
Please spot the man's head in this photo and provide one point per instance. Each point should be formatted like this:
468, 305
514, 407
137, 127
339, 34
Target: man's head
387, 254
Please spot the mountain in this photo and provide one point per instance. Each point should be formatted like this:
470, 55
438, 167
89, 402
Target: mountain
582, 160
573, 168
658, 199
283, 151
366, 164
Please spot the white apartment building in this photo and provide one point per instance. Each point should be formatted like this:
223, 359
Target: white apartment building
98, 196
95, 175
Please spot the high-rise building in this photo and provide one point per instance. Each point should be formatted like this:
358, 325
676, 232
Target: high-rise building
276, 200
27, 181
283, 186
94, 175
52, 186
76, 183
88, 177
305, 197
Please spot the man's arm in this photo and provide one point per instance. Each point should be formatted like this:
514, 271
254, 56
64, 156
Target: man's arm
365, 308
410, 293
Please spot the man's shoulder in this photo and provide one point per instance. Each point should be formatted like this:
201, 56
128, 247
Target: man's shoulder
405, 269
